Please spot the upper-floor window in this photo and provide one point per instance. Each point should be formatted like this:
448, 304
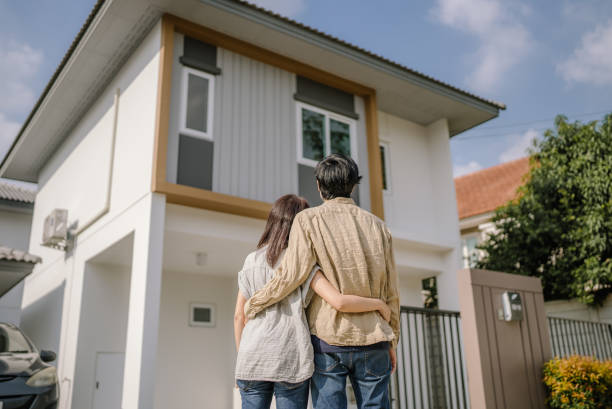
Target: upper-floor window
385, 165
321, 133
196, 112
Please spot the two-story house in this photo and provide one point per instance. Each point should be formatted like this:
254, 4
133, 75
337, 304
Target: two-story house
165, 133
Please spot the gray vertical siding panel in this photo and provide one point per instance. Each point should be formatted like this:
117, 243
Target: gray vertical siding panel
255, 131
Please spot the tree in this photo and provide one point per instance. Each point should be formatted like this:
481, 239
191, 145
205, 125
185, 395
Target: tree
560, 226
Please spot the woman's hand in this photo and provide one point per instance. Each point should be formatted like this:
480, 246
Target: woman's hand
385, 311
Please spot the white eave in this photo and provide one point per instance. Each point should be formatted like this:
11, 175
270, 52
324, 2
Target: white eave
116, 27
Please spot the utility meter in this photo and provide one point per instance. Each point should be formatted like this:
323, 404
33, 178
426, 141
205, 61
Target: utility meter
512, 307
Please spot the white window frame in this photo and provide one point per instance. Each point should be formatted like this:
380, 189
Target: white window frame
213, 315
183, 106
387, 169
328, 115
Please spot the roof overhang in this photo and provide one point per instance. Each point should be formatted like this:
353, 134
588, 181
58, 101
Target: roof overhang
12, 272
116, 27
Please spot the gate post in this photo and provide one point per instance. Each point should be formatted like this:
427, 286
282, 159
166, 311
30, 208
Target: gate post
504, 358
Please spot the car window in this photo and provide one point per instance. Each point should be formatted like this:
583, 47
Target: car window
12, 340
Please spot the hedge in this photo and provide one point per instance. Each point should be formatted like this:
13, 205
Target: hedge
578, 382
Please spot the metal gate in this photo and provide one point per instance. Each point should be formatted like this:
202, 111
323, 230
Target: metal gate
430, 371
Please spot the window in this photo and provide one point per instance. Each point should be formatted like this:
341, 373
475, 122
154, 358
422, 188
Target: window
197, 92
471, 255
385, 165
321, 133
201, 315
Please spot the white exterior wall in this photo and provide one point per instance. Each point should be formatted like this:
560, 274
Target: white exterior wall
15, 227
573, 309
198, 362
420, 207
14, 233
77, 178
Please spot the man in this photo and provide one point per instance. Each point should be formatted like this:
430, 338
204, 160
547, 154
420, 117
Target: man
353, 249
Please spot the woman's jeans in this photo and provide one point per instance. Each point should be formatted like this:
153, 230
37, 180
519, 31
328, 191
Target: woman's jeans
368, 371
258, 394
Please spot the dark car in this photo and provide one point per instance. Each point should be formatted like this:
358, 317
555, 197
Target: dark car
27, 381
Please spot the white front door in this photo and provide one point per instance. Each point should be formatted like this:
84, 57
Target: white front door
109, 380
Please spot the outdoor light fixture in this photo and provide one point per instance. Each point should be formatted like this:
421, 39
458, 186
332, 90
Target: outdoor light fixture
512, 307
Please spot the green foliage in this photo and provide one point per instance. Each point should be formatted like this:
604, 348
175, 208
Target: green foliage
578, 383
560, 227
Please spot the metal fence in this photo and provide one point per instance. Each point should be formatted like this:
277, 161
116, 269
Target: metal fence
430, 372
575, 337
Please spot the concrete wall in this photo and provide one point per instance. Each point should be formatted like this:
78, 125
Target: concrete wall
15, 227
574, 309
103, 324
420, 207
196, 364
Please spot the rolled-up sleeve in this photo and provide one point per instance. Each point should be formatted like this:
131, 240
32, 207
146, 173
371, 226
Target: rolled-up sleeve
392, 294
294, 270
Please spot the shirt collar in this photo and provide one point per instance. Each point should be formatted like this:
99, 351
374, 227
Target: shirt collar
341, 200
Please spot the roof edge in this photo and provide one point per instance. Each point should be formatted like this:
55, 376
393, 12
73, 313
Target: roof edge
363, 56
92, 14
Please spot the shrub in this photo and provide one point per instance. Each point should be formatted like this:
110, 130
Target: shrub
578, 382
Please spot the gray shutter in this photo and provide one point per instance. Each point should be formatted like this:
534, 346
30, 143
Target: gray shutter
200, 55
195, 162
326, 97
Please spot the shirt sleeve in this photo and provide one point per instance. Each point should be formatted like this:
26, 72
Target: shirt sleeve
243, 285
297, 263
307, 292
392, 294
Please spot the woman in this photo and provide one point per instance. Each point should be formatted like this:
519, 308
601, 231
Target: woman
275, 354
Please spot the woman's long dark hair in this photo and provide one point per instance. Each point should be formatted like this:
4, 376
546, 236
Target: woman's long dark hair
276, 233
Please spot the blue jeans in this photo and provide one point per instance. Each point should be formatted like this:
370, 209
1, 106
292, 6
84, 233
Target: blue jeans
368, 371
258, 394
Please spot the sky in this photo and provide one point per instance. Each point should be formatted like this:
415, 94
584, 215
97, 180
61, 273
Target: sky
539, 58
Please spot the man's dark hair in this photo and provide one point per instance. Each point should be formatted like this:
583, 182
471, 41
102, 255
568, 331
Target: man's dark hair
337, 175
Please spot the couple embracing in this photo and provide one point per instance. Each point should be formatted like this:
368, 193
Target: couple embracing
320, 302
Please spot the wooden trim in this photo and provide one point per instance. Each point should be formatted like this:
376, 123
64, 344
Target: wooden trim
220, 202
189, 196
210, 36
162, 114
374, 163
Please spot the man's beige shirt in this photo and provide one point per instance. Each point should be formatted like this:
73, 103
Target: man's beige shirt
354, 250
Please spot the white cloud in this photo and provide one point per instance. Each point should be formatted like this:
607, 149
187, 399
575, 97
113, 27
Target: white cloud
460, 170
8, 131
519, 148
504, 40
287, 8
591, 62
19, 63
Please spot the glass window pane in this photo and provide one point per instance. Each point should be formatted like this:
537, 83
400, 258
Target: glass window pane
383, 164
313, 135
197, 103
340, 137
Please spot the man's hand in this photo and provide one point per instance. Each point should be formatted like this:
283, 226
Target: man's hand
393, 356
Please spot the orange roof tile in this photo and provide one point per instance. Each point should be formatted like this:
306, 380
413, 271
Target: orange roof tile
486, 190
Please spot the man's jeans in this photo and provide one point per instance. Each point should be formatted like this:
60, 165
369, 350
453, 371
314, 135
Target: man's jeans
258, 394
368, 371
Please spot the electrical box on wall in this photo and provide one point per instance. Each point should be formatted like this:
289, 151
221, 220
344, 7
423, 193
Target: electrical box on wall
512, 307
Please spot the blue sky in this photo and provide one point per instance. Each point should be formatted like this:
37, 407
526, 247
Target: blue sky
540, 58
